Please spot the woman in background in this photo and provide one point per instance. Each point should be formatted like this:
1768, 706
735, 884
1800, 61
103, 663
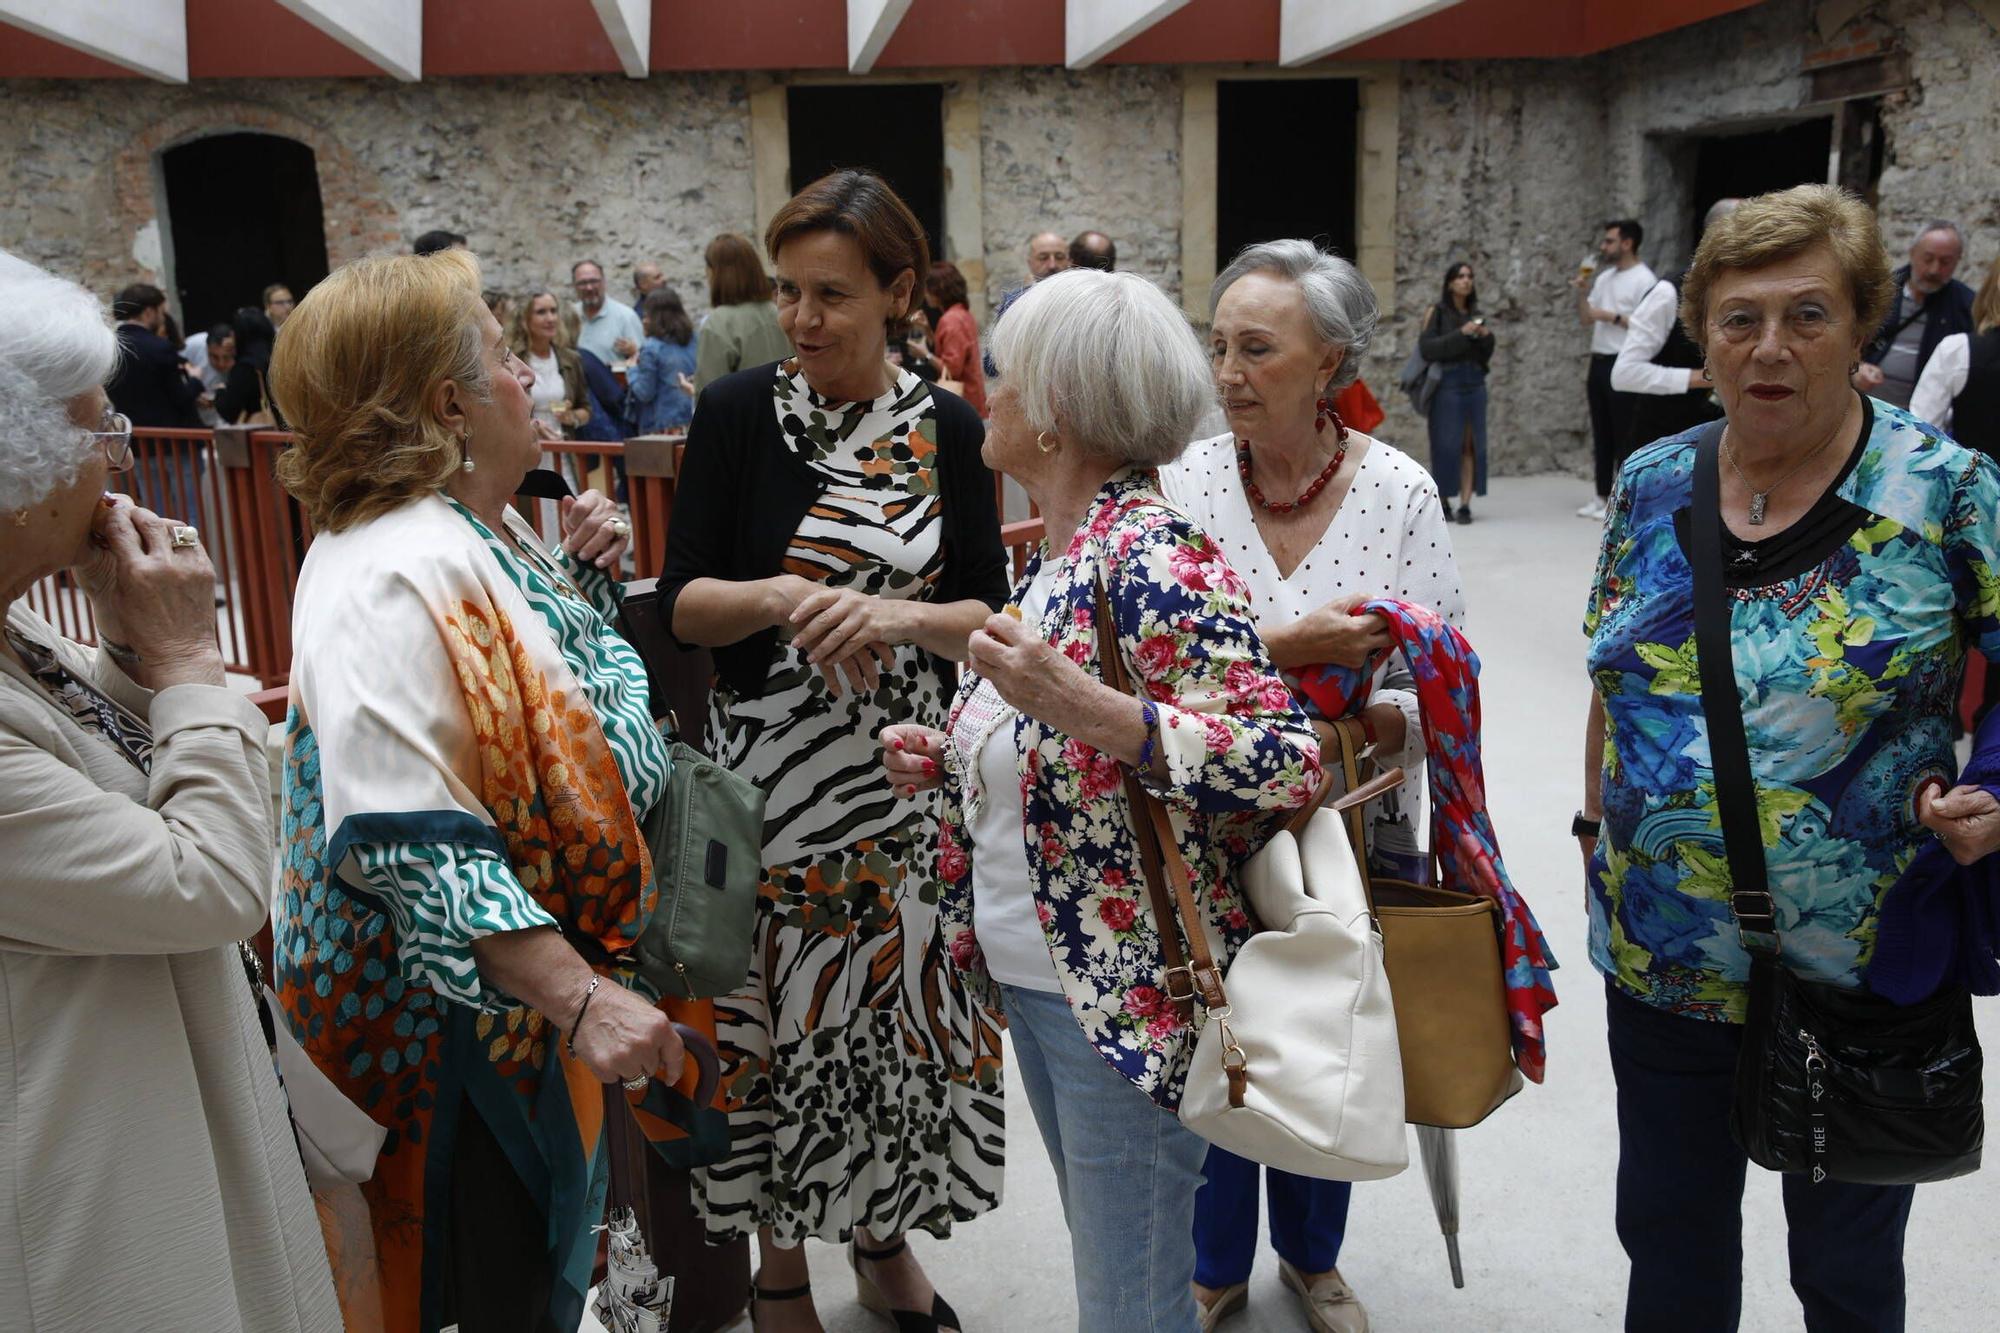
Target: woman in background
660, 403
742, 326
1455, 335
957, 334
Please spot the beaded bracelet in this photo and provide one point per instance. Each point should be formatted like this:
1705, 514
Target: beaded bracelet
1151, 716
582, 1009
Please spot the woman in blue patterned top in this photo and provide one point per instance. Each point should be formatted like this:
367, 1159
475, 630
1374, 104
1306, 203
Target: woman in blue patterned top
1859, 564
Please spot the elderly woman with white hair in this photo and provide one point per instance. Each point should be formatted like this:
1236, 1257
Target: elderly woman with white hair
1318, 518
151, 1170
1045, 908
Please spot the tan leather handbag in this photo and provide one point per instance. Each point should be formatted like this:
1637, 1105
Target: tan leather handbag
1442, 952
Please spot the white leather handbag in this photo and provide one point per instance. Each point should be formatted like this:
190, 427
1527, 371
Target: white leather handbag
1308, 1019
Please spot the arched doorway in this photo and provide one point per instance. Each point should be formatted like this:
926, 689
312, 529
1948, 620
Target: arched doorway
243, 211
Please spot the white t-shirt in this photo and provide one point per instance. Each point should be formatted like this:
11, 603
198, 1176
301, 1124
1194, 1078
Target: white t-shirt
1389, 538
1005, 918
1618, 290
549, 388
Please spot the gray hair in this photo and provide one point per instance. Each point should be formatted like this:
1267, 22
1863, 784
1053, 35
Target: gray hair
55, 343
1109, 362
1339, 301
1938, 224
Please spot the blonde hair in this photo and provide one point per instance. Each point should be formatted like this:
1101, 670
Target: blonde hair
355, 373
1773, 227
1986, 305
517, 327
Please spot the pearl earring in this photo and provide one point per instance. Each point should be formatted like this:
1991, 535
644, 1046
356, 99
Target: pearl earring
465, 445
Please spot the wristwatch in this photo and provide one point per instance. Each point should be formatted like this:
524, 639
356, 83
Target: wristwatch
1583, 827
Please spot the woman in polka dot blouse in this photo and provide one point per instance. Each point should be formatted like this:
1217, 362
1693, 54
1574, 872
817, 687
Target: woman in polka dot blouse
1316, 518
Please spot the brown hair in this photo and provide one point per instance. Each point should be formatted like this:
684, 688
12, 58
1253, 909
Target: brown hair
736, 275
1986, 306
517, 327
667, 318
946, 284
355, 374
860, 204
1772, 227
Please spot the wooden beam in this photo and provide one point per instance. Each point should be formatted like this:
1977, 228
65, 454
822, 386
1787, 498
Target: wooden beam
1093, 29
629, 25
146, 36
387, 33
870, 25
1310, 30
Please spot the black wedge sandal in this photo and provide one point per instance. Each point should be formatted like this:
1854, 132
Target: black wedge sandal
760, 1294
941, 1315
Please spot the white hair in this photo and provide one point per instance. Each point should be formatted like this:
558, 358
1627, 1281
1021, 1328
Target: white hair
55, 343
1938, 224
1339, 301
1108, 362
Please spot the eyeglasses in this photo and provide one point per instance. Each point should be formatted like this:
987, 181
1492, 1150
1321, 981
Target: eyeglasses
116, 441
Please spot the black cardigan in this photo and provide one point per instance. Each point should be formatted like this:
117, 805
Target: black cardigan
1441, 340
742, 492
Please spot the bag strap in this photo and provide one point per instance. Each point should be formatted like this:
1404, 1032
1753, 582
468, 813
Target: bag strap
1750, 900
1168, 888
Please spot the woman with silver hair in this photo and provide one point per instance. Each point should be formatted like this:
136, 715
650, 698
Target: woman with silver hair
1037, 853
151, 1166
1318, 518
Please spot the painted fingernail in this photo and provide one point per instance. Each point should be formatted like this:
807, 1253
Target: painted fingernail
895, 745
909, 791
930, 767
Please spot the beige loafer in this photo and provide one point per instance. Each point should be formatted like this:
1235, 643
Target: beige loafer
1331, 1305
1230, 1300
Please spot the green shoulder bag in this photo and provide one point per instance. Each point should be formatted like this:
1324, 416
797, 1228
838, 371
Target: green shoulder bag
707, 839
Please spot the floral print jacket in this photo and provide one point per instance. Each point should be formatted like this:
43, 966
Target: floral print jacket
1238, 749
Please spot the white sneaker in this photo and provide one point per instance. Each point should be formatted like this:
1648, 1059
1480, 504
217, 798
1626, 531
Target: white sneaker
1595, 509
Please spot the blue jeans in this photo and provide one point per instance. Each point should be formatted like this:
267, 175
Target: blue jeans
1308, 1219
1680, 1193
1127, 1172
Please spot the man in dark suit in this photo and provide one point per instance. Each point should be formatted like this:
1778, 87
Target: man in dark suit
1930, 306
150, 385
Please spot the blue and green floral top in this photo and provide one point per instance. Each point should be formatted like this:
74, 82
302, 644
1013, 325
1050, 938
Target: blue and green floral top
1849, 667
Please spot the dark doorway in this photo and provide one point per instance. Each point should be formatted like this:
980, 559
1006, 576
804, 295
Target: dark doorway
895, 130
244, 212
1266, 188
1741, 165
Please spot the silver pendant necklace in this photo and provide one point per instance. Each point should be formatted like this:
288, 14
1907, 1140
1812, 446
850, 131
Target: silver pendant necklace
1758, 498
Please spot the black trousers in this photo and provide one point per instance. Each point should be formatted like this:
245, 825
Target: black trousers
502, 1275
1611, 415
1680, 1194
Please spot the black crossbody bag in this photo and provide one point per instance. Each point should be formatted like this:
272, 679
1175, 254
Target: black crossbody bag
1834, 1083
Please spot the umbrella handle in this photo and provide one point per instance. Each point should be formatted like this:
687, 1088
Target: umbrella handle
702, 1052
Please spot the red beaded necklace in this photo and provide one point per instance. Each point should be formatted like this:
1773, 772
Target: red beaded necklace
1319, 483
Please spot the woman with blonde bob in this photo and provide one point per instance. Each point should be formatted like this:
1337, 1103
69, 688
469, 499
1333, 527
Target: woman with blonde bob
469, 756
1859, 563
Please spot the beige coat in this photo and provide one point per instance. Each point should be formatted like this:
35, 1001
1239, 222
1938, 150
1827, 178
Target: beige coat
148, 1174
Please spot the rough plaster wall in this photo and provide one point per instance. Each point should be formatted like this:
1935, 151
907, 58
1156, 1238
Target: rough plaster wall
536, 173
1095, 149
1501, 164
1944, 135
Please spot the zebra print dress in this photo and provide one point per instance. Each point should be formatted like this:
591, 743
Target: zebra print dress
863, 1086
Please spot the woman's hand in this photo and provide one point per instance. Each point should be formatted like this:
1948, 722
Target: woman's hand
1965, 819
593, 531
622, 1038
845, 632
684, 384
1031, 675
912, 757
1472, 328
1335, 634
151, 596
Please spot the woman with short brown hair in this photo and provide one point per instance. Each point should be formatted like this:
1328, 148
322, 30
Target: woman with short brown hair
470, 754
835, 542
957, 333
741, 328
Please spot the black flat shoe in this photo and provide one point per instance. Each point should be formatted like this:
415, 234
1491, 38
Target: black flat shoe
1465, 513
761, 1295
941, 1315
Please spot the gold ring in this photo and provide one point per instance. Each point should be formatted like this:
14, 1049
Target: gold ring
183, 536
637, 1084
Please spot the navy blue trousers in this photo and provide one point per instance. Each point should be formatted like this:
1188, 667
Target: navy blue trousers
1680, 1194
1308, 1219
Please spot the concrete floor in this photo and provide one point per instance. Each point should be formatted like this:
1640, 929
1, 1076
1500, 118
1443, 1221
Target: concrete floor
1536, 1228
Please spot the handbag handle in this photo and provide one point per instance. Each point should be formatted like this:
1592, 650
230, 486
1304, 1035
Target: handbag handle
1750, 900
1160, 862
1353, 807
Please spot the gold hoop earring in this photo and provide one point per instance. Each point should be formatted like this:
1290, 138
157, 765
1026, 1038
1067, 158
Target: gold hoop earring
1046, 448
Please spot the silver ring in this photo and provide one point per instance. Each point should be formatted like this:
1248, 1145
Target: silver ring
619, 527
637, 1084
183, 536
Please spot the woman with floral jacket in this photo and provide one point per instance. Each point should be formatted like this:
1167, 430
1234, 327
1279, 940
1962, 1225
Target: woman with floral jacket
1045, 905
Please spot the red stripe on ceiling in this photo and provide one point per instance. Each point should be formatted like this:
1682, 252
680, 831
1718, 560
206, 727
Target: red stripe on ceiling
235, 39
976, 32
749, 34
516, 37
23, 55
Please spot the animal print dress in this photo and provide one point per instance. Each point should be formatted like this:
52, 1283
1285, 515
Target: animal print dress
863, 1086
